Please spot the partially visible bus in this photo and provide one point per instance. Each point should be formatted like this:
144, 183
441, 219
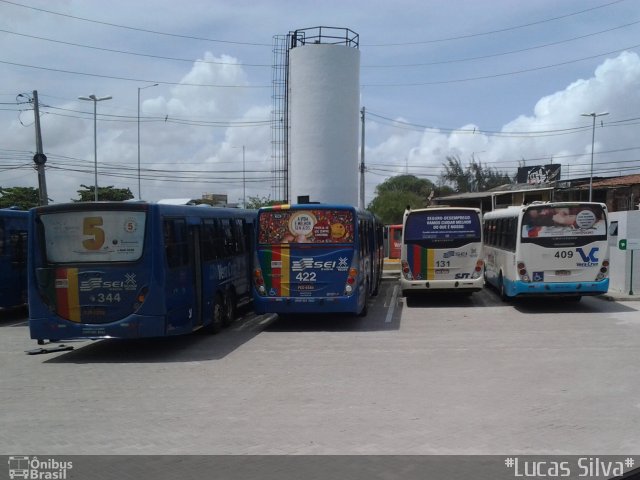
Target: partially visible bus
394, 239
136, 269
441, 250
13, 257
317, 258
547, 249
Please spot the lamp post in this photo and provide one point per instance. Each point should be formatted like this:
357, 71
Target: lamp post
95, 100
139, 187
244, 183
593, 138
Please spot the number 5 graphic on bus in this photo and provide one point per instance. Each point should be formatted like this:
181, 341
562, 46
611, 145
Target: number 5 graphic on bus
91, 226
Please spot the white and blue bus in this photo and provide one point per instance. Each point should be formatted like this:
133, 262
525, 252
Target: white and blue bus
547, 249
441, 250
136, 269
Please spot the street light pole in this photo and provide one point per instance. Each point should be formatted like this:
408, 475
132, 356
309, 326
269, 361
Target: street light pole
95, 100
139, 186
593, 139
244, 183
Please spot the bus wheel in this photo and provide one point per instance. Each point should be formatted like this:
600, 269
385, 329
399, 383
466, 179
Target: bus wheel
501, 290
364, 311
217, 320
231, 307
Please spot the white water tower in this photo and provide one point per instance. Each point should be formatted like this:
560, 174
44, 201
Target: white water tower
324, 101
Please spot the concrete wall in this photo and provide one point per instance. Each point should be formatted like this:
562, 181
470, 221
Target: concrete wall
623, 279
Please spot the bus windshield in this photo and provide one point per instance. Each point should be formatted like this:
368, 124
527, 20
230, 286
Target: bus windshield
562, 226
96, 236
314, 226
442, 229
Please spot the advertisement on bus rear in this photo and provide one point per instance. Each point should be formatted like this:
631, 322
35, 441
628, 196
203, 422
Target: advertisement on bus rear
550, 225
442, 227
82, 237
314, 226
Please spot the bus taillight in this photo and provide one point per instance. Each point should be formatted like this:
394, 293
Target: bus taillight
406, 270
259, 281
522, 271
603, 270
142, 294
478, 269
351, 279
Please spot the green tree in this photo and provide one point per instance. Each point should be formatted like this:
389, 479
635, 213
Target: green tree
22, 197
396, 193
257, 202
476, 177
104, 193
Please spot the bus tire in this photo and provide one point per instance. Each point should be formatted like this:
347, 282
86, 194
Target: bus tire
231, 308
364, 311
501, 289
217, 316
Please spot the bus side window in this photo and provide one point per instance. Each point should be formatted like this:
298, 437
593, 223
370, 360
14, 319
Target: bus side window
18, 240
207, 240
512, 234
1, 236
227, 235
175, 242
238, 233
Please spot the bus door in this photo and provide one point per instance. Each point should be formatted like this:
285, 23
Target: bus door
197, 266
183, 278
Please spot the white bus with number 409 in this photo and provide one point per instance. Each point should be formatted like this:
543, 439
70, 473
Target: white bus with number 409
547, 249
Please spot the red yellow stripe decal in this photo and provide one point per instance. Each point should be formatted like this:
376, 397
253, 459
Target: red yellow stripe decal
67, 294
422, 262
280, 269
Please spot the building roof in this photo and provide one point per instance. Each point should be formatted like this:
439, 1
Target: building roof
623, 181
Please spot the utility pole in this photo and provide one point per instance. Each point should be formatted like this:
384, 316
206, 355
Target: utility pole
362, 161
39, 158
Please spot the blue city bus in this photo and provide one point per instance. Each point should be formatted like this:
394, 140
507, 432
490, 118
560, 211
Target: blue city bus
317, 258
13, 257
136, 269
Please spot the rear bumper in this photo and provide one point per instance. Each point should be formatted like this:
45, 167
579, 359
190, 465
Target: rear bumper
519, 288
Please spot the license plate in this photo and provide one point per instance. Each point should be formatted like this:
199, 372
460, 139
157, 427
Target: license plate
561, 273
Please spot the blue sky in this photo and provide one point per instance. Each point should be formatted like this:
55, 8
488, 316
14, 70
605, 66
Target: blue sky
501, 81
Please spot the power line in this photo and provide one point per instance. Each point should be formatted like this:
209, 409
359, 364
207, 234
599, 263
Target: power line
498, 75
123, 52
491, 32
155, 32
137, 80
510, 52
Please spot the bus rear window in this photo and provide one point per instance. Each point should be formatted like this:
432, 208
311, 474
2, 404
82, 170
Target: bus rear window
563, 222
442, 227
313, 226
93, 236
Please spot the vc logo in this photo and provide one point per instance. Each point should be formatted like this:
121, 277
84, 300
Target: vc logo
590, 257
